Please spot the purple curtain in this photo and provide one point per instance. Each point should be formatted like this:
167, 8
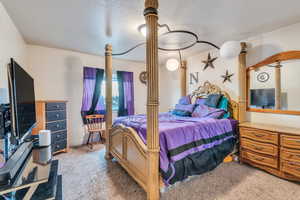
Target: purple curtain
126, 93
92, 102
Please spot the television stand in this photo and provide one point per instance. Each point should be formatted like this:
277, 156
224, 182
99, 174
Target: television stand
37, 179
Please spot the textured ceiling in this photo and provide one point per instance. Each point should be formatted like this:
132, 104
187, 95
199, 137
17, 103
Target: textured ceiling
87, 25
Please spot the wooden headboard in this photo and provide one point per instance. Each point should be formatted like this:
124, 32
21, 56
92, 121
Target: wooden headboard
207, 88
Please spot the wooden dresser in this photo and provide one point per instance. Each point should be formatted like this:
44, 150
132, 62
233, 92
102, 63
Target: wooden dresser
275, 149
52, 115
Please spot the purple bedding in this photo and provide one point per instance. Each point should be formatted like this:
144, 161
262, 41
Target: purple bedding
184, 139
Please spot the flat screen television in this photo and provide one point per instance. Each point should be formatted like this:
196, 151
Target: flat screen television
22, 100
262, 98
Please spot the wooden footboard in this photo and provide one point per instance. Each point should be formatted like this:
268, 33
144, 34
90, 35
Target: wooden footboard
129, 150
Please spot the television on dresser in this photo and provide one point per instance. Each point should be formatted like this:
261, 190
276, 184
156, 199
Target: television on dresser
262, 98
22, 99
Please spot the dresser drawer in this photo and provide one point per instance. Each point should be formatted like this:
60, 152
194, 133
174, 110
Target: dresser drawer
59, 146
55, 106
259, 135
290, 141
258, 147
290, 155
263, 160
56, 126
292, 168
58, 136
55, 115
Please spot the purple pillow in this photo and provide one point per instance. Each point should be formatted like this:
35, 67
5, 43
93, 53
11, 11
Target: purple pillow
205, 111
186, 108
186, 100
200, 101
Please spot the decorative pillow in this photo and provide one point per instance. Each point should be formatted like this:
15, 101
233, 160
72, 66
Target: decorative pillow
181, 113
186, 100
200, 101
183, 110
205, 111
223, 104
213, 100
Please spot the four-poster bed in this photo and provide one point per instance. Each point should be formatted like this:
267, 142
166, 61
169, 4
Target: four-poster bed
140, 159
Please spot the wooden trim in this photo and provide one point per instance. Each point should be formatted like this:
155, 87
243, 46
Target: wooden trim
287, 112
283, 56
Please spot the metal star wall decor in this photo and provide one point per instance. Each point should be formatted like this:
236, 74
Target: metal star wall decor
227, 77
209, 62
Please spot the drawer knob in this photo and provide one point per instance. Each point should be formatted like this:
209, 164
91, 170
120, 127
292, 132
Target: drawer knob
57, 106
259, 159
57, 115
293, 163
57, 125
259, 148
259, 135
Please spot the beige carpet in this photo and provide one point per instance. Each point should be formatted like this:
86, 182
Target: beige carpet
87, 176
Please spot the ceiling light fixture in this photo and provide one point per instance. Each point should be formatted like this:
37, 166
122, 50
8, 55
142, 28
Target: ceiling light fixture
179, 40
230, 49
172, 64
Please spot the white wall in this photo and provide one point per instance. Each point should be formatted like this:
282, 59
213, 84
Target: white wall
11, 45
58, 75
169, 88
195, 65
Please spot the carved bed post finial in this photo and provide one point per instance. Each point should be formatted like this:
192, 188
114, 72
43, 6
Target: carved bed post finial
108, 99
151, 18
242, 83
183, 66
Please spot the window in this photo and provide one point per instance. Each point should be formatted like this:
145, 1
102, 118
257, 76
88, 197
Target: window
115, 92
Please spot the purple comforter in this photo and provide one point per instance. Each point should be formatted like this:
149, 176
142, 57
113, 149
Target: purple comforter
181, 137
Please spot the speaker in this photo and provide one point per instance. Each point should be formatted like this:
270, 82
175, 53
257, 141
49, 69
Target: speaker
44, 138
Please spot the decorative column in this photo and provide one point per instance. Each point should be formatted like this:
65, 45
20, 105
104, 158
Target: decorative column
278, 86
243, 83
183, 67
151, 17
108, 99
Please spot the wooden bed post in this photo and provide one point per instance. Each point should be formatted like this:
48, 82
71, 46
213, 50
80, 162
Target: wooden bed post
151, 17
108, 99
242, 83
183, 78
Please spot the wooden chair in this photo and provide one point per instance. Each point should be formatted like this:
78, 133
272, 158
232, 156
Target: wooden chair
95, 124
